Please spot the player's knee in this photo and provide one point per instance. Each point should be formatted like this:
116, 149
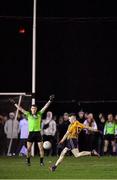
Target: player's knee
64, 151
75, 152
76, 155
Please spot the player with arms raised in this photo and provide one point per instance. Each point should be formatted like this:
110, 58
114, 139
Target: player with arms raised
34, 125
72, 141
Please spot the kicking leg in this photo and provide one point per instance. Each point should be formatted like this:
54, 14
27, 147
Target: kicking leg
61, 157
77, 154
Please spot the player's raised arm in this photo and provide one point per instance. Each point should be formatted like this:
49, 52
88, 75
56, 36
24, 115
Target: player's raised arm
16, 105
51, 98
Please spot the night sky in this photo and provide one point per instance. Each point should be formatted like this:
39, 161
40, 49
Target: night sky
76, 49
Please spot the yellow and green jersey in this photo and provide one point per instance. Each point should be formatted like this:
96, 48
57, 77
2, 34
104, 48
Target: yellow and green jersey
34, 121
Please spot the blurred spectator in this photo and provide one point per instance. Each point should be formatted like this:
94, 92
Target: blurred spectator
23, 126
49, 132
116, 132
81, 116
81, 137
86, 115
109, 136
11, 129
90, 136
2, 136
63, 125
62, 128
59, 129
101, 123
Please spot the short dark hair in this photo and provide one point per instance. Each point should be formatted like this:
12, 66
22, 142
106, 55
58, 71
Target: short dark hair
72, 114
66, 114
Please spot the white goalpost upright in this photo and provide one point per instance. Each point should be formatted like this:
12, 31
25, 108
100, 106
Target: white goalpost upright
34, 53
34, 60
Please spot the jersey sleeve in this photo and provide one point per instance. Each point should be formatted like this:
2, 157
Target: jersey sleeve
40, 113
26, 113
80, 125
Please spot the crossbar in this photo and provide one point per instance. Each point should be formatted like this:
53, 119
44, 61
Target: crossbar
14, 94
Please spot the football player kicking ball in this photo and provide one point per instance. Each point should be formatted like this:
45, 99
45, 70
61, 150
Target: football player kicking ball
72, 141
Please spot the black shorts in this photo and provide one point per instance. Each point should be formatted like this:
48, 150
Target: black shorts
72, 144
109, 137
34, 137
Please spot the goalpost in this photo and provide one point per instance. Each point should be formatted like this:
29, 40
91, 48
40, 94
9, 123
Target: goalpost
14, 94
20, 94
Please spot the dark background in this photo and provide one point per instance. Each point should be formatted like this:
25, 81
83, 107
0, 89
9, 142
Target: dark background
76, 51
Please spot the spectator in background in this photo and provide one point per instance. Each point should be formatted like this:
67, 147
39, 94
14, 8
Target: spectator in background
59, 128
101, 123
81, 116
85, 115
11, 129
5, 138
81, 138
90, 136
2, 136
63, 124
23, 126
59, 133
109, 136
49, 132
116, 132
62, 129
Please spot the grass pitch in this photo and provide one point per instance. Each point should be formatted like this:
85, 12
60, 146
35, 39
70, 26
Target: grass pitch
71, 168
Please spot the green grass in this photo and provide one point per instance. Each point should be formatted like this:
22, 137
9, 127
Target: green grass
71, 168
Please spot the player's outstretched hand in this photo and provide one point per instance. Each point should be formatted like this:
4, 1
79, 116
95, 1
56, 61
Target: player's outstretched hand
12, 101
52, 97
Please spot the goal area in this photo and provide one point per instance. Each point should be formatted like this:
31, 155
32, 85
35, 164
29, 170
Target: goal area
6, 107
